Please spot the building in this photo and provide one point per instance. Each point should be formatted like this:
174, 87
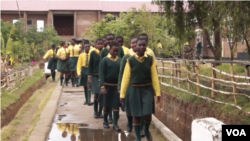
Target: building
70, 18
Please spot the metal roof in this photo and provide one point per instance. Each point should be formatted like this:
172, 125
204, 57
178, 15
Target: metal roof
105, 6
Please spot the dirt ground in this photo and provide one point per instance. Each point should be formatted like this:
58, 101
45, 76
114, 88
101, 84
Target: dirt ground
21, 126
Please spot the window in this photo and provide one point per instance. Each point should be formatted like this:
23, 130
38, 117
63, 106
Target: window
40, 25
29, 22
15, 20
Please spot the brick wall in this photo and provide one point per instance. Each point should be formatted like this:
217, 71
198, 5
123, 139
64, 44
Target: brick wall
84, 20
35, 17
10, 17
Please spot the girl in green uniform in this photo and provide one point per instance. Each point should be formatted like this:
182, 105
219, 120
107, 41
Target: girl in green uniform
52, 61
121, 51
74, 51
93, 74
141, 80
110, 38
108, 72
122, 66
120, 41
62, 63
82, 71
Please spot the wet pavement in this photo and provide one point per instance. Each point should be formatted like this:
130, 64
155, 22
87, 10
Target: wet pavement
75, 122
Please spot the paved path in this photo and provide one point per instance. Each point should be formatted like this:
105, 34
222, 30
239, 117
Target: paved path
74, 121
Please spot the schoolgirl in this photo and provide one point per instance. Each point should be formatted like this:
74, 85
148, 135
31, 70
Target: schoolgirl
82, 72
122, 66
52, 61
108, 73
120, 41
93, 74
73, 51
140, 77
62, 63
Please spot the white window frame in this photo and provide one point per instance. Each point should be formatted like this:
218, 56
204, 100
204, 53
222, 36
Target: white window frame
14, 21
40, 27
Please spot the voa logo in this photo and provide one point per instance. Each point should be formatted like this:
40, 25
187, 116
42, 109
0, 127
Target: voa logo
236, 132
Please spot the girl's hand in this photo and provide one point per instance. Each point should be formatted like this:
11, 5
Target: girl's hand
89, 80
122, 101
103, 91
79, 76
119, 92
158, 99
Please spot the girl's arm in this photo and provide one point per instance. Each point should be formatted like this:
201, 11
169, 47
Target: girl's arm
102, 73
79, 65
155, 80
90, 64
125, 80
122, 66
46, 55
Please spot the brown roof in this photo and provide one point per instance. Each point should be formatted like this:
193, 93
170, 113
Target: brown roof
105, 6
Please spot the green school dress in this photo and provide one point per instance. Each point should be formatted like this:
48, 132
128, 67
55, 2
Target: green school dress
109, 72
138, 81
93, 70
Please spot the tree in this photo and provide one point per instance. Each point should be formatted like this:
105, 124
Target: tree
134, 22
187, 15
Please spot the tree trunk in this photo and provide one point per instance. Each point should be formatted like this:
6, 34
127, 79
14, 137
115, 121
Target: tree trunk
248, 46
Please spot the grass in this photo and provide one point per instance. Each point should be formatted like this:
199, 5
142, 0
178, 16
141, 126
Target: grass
10, 98
28, 115
243, 101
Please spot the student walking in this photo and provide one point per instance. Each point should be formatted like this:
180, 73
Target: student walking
74, 51
109, 71
52, 61
93, 76
62, 63
82, 71
122, 66
120, 41
141, 74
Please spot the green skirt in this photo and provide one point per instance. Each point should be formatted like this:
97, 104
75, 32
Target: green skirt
140, 101
73, 63
84, 77
52, 65
62, 65
95, 85
111, 99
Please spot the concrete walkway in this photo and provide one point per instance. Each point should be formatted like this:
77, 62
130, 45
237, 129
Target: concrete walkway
65, 118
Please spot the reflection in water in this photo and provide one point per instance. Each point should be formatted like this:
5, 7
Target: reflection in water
77, 132
104, 135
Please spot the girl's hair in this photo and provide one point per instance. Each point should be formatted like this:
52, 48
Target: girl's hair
140, 39
73, 39
53, 45
114, 44
63, 42
133, 38
111, 35
119, 37
98, 40
86, 42
143, 34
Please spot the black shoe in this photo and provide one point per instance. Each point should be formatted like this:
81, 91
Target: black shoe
90, 103
129, 129
116, 128
96, 115
149, 137
142, 133
105, 125
123, 108
110, 121
100, 115
85, 103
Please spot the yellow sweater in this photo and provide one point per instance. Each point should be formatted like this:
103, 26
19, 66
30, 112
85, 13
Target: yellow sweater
83, 61
127, 75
